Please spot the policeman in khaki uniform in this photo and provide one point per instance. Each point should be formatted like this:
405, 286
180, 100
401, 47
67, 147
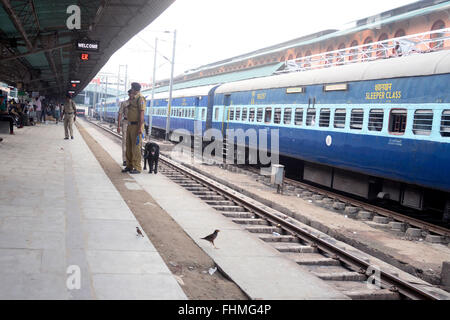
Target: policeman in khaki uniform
70, 115
122, 124
135, 129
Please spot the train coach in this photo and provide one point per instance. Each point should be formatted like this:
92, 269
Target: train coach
188, 113
375, 129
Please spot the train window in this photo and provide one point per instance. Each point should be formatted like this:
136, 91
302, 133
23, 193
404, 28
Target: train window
268, 117
203, 114
445, 123
339, 118
324, 120
298, 116
216, 114
259, 115
238, 113
356, 119
277, 115
397, 121
231, 115
287, 116
251, 116
311, 117
423, 121
376, 119
244, 114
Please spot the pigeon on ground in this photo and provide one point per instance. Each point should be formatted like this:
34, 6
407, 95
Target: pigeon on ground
139, 233
212, 237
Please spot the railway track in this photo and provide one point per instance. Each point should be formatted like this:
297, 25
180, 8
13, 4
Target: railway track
345, 269
373, 209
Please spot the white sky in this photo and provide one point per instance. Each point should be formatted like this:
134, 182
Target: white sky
212, 30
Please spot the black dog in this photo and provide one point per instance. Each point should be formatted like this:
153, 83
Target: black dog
151, 154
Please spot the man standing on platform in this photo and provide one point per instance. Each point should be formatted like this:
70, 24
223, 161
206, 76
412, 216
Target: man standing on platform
135, 129
69, 113
122, 123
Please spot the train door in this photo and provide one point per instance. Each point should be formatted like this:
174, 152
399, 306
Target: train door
210, 109
197, 117
226, 111
225, 120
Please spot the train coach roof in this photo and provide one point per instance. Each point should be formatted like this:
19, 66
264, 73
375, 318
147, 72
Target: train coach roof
409, 66
189, 92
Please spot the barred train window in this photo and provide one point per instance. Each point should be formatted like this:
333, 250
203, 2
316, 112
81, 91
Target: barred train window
356, 119
244, 114
238, 113
268, 117
311, 117
277, 115
324, 120
376, 119
231, 114
339, 118
423, 121
251, 116
298, 116
203, 114
287, 116
216, 116
259, 115
445, 123
397, 121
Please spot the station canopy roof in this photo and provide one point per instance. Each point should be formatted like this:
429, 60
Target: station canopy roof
38, 50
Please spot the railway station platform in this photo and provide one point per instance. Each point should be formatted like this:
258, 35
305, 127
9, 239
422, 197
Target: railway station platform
65, 231
261, 271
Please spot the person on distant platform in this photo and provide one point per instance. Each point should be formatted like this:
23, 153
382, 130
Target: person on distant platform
69, 113
135, 129
4, 116
57, 113
122, 123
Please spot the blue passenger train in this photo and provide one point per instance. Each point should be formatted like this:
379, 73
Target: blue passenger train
374, 129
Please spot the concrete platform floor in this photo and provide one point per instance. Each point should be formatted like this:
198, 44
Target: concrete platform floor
257, 268
61, 217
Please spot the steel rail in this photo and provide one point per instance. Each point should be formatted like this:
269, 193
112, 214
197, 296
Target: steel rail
382, 211
373, 208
